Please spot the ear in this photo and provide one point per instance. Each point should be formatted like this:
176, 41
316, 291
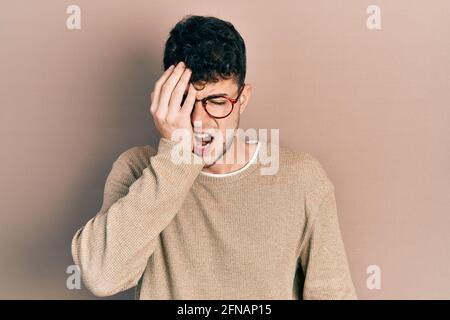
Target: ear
244, 98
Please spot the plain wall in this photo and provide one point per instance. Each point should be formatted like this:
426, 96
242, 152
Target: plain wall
373, 106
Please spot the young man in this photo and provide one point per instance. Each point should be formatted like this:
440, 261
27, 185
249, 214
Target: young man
205, 228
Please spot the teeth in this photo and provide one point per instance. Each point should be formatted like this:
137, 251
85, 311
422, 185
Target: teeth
202, 136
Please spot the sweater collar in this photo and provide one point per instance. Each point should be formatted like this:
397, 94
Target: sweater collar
246, 170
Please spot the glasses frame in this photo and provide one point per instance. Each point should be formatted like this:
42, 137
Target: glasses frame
205, 100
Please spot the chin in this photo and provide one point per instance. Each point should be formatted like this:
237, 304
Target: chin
210, 154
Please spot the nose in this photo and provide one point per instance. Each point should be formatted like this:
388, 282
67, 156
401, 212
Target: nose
199, 114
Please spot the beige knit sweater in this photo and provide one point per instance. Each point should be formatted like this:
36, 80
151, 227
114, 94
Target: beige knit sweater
177, 233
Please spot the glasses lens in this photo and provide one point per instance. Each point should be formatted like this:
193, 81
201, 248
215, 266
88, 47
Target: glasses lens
218, 106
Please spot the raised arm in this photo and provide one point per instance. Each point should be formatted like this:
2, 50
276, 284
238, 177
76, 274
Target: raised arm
113, 247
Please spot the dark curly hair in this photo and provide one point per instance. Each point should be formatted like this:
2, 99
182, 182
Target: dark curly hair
212, 48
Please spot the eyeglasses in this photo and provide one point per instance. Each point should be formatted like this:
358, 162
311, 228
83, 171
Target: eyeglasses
218, 106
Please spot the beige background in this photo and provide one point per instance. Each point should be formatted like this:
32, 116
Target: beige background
372, 106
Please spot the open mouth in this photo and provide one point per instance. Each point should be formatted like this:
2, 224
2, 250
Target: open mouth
203, 140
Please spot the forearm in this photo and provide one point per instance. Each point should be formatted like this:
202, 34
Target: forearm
112, 249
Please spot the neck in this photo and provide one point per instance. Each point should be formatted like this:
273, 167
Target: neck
238, 150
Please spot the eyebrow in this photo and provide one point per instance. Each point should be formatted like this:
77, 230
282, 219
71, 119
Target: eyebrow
214, 95
217, 94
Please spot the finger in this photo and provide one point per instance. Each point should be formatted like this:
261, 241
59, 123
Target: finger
188, 104
152, 107
167, 88
158, 85
157, 89
178, 92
